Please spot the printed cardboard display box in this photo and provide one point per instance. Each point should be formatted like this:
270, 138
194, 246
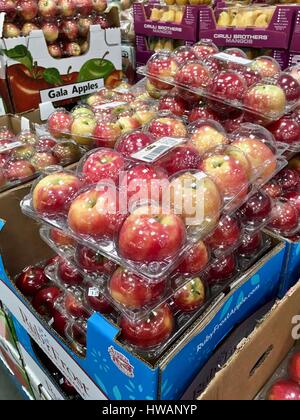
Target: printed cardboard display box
276, 35
7, 333
258, 356
46, 79
110, 369
295, 39
294, 59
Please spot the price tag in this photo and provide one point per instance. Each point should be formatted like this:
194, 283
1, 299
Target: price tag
233, 59
111, 105
11, 146
155, 150
93, 292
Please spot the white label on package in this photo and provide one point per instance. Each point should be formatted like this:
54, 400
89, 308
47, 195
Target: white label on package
25, 124
233, 59
93, 291
2, 108
155, 150
111, 105
11, 146
71, 91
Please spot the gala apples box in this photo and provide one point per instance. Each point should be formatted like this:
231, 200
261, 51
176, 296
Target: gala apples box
258, 356
165, 21
109, 369
274, 34
35, 77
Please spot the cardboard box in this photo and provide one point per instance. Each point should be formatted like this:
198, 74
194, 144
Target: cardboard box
68, 78
186, 30
295, 40
7, 333
276, 35
259, 355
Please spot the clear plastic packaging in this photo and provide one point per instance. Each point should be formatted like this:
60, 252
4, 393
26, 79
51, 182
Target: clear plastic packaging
227, 81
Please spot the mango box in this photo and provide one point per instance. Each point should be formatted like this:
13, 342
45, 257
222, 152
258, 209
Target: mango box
110, 369
276, 35
295, 40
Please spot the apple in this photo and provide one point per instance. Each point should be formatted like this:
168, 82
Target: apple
10, 30
227, 85
28, 137
294, 71
236, 52
28, 27
50, 31
286, 130
59, 123
206, 134
184, 55
150, 332
288, 179
60, 321
102, 21
290, 86
226, 234
149, 234
4, 158
69, 274
294, 198
41, 160
44, 300
47, 8
131, 143
60, 238
205, 48
92, 261
191, 296
72, 49
250, 76
196, 198
27, 9
96, 300
144, 115
221, 269
161, 65
180, 158
6, 134
294, 367
52, 194
294, 163
18, 169
227, 172
84, 7
9, 8
99, 6
105, 134
55, 51
23, 152
67, 387
31, 280
193, 75
67, 8
95, 213
84, 26
144, 182
257, 208
53, 260
78, 337
285, 217
174, 104
167, 126
67, 152
273, 189
128, 123
284, 390
82, 129
202, 112
265, 99
213, 64
74, 305
233, 122
250, 244
195, 259
132, 291
45, 144
70, 29
103, 164
265, 66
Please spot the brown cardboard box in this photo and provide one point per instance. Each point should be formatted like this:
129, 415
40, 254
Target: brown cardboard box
259, 355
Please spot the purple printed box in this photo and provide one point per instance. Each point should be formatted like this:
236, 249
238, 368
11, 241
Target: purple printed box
276, 35
163, 24
282, 57
295, 41
294, 59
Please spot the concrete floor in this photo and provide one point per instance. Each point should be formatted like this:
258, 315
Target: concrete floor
8, 390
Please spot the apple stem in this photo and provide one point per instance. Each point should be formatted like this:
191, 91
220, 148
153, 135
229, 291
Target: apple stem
69, 70
105, 54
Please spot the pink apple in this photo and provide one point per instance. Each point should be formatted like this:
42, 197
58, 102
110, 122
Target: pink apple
67, 8
191, 296
72, 49
28, 9
18, 170
103, 164
174, 104
206, 134
192, 75
202, 112
266, 66
184, 55
226, 234
205, 49
167, 126
41, 160
51, 31
195, 259
59, 123
265, 99
55, 51
180, 158
161, 65
45, 144
105, 134
70, 29
47, 8
131, 143
9, 8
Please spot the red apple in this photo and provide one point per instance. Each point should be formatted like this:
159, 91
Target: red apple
294, 198
44, 300
250, 244
103, 165
131, 143
55, 51
60, 321
41, 160
257, 208
59, 123
174, 104
132, 291
84, 7
161, 65
213, 64
28, 27
288, 179
191, 296
84, 27
60, 238
284, 390
69, 274
236, 52
266, 66
93, 261
284, 217
206, 134
27, 9
192, 75
290, 86
18, 170
72, 49
150, 332
226, 234
31, 280
102, 21
67, 152
221, 269
99, 5
78, 337
167, 127
47, 8
105, 134
53, 260
205, 49
74, 304
67, 387
52, 195
286, 130
185, 54
96, 300
9, 8
70, 29
294, 367
45, 144
202, 112
233, 122
251, 77
96, 213
148, 234
180, 158
67, 8
273, 189
265, 99
195, 259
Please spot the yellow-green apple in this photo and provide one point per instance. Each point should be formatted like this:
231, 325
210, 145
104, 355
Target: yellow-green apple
133, 142
67, 8
265, 99
128, 123
150, 332
150, 234
195, 259
18, 169
23, 152
28, 137
206, 134
167, 126
28, 27
191, 296
82, 128
53, 193
82, 110
47, 8
144, 115
59, 123
10, 30
103, 164
266, 66
50, 31
154, 92
84, 26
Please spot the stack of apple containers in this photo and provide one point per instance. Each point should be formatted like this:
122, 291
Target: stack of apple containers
163, 219
65, 23
25, 155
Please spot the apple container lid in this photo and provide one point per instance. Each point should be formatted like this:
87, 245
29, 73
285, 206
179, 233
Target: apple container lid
266, 66
72, 303
255, 132
294, 71
205, 48
166, 125
184, 54
286, 226
76, 332
238, 52
204, 134
162, 65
